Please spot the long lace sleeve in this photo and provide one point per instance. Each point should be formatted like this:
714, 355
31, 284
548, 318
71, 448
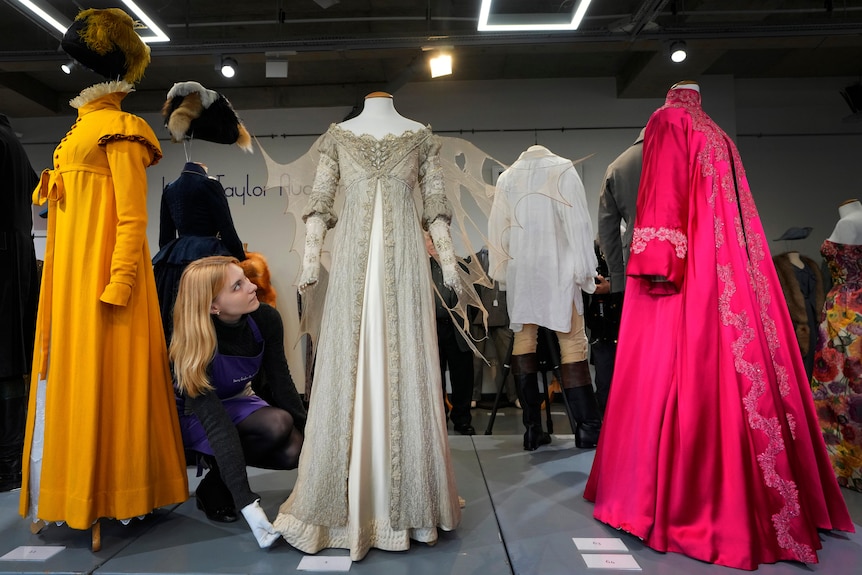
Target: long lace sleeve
325, 183
660, 243
434, 203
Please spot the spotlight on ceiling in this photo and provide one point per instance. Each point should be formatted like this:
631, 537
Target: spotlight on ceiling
441, 65
67, 67
326, 3
228, 67
678, 51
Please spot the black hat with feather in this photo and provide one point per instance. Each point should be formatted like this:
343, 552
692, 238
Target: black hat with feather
105, 41
192, 111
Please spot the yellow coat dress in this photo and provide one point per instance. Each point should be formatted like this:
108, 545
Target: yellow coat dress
102, 436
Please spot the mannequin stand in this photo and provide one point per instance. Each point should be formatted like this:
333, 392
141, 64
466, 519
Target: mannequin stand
553, 361
36, 527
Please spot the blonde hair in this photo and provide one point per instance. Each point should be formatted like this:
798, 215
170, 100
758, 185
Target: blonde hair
193, 344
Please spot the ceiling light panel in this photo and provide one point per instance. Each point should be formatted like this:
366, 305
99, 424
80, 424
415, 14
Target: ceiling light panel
503, 16
47, 14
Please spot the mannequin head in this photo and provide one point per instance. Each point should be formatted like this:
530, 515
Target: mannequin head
686, 85
849, 207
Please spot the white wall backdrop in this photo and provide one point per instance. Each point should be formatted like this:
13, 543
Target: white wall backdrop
802, 161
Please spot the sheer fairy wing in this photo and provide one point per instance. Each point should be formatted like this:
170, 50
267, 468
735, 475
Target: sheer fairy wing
469, 174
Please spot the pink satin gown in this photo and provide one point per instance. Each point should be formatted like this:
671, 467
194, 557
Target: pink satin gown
711, 445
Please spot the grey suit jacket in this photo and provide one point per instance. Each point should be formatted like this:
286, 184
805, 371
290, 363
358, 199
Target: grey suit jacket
618, 202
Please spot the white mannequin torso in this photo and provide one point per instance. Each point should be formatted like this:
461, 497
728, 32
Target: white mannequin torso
848, 230
379, 118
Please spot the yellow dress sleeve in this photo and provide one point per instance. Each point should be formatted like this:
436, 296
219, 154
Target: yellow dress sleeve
128, 159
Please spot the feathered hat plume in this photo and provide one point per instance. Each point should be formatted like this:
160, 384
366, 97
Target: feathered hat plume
106, 42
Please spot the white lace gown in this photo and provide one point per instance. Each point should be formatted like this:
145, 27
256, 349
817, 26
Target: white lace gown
375, 470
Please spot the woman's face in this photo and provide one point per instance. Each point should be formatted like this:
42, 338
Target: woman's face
237, 296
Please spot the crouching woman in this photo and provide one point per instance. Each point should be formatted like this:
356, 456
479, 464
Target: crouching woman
227, 350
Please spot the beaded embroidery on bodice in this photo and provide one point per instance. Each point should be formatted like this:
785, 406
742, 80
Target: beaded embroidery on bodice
379, 154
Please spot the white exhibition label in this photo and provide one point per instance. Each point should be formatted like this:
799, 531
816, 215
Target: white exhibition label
32, 553
608, 561
599, 544
322, 563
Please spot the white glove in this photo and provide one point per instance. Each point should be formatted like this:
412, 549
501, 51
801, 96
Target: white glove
262, 529
315, 231
439, 231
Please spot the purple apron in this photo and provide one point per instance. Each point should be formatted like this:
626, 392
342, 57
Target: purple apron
229, 376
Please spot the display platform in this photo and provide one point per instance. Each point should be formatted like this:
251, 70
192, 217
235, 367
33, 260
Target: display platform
523, 509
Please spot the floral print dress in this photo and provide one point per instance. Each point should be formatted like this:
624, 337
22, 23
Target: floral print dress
837, 380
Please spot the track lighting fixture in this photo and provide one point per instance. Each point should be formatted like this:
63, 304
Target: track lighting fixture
678, 51
228, 67
67, 67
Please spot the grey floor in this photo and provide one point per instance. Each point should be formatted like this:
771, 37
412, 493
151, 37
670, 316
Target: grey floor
522, 511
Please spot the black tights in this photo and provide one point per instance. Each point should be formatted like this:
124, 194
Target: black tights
269, 439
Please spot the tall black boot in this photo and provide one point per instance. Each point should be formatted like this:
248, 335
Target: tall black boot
213, 497
524, 369
578, 390
13, 405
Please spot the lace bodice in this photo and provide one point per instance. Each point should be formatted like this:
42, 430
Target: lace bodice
376, 153
402, 162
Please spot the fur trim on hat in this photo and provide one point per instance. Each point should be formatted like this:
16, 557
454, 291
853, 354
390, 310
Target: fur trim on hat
112, 29
185, 88
244, 140
192, 111
179, 119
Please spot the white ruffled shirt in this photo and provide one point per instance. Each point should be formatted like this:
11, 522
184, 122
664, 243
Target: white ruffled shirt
541, 240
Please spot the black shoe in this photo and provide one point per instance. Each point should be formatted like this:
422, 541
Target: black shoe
465, 429
214, 498
535, 438
587, 435
223, 514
